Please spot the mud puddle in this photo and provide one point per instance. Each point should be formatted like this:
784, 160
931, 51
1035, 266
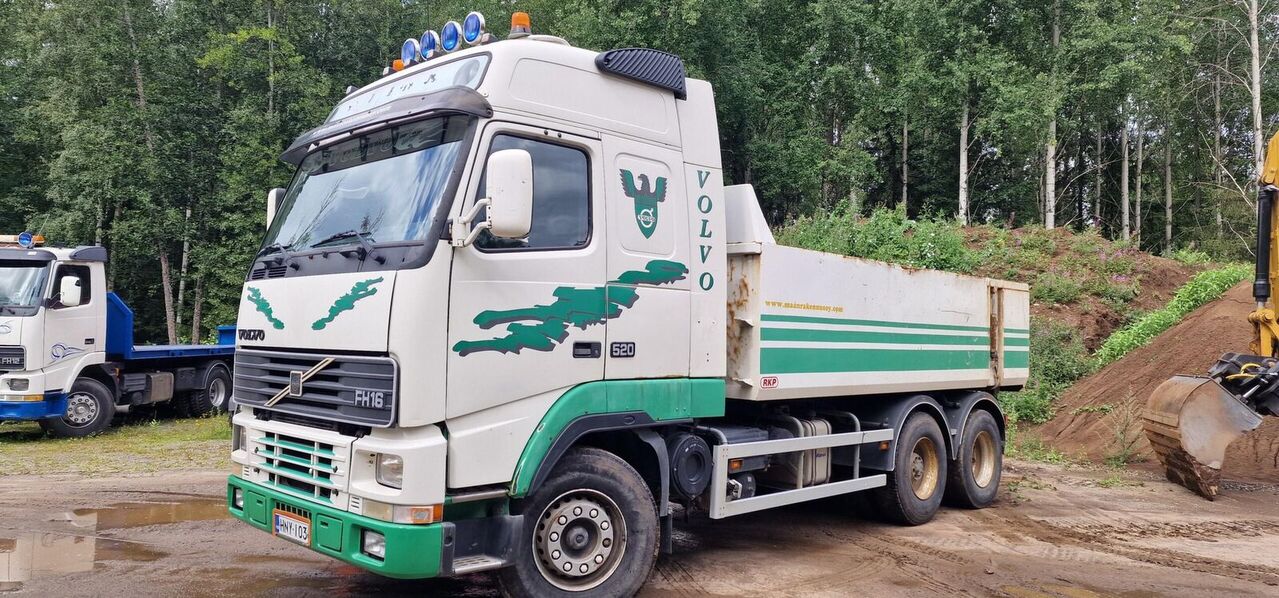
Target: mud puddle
83, 538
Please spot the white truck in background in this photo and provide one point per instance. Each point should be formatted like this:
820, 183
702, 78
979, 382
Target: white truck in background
507, 313
67, 356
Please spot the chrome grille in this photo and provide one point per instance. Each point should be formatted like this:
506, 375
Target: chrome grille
12, 359
352, 389
298, 466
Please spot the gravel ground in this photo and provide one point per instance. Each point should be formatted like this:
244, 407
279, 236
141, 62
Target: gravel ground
1056, 531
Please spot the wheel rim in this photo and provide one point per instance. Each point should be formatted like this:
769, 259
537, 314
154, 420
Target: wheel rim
579, 540
983, 459
217, 392
82, 409
924, 468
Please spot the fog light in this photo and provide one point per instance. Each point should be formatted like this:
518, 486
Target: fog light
19, 384
237, 498
374, 544
390, 471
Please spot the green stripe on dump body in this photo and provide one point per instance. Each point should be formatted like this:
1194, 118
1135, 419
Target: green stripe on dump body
860, 336
822, 361
1016, 359
876, 323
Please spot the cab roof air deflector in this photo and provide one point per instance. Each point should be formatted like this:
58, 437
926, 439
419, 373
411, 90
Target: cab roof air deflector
654, 67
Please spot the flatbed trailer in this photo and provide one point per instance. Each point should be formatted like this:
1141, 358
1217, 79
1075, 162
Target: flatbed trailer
67, 353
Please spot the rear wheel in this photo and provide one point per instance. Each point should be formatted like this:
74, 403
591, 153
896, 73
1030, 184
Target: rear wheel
974, 481
918, 481
214, 396
589, 530
90, 407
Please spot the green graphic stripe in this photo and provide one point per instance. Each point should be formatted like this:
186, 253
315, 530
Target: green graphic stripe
1018, 330
821, 361
346, 302
1016, 359
876, 323
860, 336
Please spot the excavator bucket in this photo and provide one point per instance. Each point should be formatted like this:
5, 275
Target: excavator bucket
1190, 421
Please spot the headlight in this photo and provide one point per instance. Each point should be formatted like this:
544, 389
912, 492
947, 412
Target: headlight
238, 440
390, 470
19, 384
237, 498
374, 544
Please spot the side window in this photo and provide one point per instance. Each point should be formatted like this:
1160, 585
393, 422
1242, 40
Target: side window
561, 196
81, 272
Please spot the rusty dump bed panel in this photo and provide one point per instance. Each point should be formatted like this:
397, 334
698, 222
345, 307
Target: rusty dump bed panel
810, 324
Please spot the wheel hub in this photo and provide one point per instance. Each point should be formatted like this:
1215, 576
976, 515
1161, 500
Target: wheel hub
924, 468
81, 410
580, 539
983, 465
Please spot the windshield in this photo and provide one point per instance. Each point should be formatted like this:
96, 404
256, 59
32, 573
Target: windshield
21, 285
380, 188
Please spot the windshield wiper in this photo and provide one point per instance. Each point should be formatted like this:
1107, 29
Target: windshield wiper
366, 246
280, 248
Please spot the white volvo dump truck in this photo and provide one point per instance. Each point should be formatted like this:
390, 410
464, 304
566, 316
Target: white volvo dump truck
507, 314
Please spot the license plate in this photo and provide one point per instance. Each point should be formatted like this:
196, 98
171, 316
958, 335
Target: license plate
293, 527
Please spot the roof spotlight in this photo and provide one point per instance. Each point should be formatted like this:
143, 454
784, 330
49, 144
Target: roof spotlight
410, 52
430, 44
451, 36
473, 28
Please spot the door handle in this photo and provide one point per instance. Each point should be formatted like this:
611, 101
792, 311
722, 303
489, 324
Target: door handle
587, 350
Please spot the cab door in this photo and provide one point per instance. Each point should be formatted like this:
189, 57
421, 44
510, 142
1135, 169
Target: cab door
527, 316
70, 332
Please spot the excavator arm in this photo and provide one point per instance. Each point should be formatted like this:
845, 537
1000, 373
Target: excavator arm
1191, 420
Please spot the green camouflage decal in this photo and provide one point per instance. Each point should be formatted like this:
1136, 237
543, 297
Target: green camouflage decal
346, 302
264, 306
646, 200
580, 307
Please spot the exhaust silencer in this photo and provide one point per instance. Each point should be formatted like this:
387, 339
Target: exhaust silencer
1190, 420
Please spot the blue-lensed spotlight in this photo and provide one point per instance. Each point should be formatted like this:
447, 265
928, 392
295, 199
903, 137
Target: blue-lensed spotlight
473, 28
451, 36
410, 52
430, 44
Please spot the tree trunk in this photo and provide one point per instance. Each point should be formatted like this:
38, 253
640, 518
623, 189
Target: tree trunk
1050, 154
1217, 157
1126, 228
963, 165
147, 135
1096, 200
1168, 192
182, 269
166, 282
1254, 87
270, 58
905, 164
1141, 139
197, 306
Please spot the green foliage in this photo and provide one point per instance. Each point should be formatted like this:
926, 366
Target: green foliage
1191, 256
887, 236
1057, 359
1050, 287
1204, 287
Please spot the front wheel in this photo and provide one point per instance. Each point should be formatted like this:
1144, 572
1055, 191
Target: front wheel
90, 407
918, 482
589, 530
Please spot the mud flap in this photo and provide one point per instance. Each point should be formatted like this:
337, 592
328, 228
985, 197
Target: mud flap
1190, 421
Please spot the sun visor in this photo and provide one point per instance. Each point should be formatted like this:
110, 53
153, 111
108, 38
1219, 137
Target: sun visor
454, 100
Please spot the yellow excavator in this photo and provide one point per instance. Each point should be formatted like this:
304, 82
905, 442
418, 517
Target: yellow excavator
1190, 420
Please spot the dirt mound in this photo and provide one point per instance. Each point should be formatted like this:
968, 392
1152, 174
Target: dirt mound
1092, 411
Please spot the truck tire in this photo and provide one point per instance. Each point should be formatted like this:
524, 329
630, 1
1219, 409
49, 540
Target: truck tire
90, 407
589, 530
974, 479
918, 482
214, 394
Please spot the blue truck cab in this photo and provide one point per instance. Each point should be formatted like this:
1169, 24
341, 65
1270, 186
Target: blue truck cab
67, 353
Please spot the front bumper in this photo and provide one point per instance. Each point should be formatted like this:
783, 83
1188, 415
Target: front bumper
53, 405
412, 551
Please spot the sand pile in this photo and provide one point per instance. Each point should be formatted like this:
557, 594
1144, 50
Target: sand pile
1092, 411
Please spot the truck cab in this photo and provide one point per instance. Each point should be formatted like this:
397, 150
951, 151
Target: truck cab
67, 358
497, 323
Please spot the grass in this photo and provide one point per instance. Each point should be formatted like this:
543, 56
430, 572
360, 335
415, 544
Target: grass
144, 447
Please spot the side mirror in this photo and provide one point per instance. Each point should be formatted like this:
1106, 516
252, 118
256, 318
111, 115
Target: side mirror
273, 199
509, 181
69, 291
